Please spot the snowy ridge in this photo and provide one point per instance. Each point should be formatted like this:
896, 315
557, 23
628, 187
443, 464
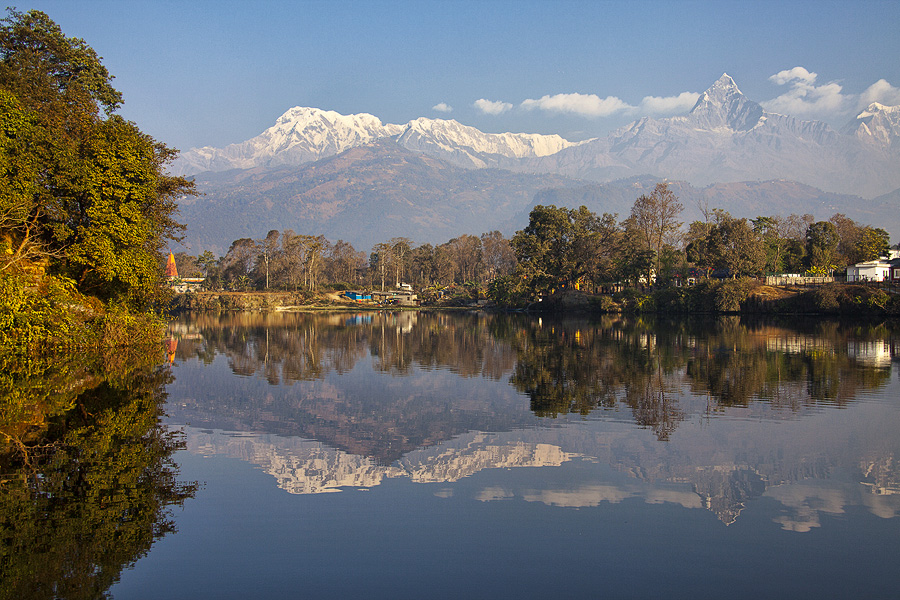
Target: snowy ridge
877, 124
727, 137
463, 144
298, 136
305, 134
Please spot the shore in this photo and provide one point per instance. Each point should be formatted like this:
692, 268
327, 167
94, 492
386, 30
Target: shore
708, 297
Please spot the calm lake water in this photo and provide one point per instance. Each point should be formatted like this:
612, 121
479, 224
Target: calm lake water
443, 455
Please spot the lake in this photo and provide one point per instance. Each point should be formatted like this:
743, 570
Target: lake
469, 455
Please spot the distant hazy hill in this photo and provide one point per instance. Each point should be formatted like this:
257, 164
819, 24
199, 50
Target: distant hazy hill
364, 195
369, 194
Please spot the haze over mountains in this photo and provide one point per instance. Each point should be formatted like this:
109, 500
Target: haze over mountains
434, 179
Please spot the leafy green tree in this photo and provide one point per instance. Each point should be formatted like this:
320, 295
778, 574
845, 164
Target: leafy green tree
90, 191
698, 247
774, 231
737, 247
872, 243
562, 247
20, 224
635, 262
822, 242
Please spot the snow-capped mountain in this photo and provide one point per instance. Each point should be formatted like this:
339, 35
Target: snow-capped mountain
877, 124
303, 135
726, 137
724, 106
299, 136
468, 147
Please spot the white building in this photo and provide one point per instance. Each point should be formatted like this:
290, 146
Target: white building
881, 269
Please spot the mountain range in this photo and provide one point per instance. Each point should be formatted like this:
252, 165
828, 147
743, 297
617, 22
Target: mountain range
354, 178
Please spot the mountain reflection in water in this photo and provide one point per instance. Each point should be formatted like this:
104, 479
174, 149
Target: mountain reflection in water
735, 410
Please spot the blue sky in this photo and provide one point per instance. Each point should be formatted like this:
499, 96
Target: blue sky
213, 73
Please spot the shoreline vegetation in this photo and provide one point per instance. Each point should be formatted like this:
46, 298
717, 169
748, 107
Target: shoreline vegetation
709, 297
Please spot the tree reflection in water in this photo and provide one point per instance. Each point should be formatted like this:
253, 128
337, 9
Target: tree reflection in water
579, 367
656, 369
88, 482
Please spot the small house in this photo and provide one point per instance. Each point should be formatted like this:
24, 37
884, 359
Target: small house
880, 269
358, 296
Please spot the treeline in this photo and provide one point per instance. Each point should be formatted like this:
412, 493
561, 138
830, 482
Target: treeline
85, 205
289, 261
559, 249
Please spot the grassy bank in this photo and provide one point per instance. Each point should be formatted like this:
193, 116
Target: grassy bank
737, 296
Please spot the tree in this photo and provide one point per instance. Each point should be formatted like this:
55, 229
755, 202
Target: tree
565, 248
737, 247
400, 248
206, 262
822, 246
187, 265
497, 254
90, 191
422, 265
465, 251
775, 233
872, 243
344, 263
699, 245
380, 260
237, 264
654, 219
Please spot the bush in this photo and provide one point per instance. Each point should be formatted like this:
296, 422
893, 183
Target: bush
732, 293
54, 315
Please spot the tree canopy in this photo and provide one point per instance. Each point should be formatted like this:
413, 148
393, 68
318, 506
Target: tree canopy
84, 194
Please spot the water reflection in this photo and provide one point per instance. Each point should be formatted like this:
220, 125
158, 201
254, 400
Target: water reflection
87, 478
705, 414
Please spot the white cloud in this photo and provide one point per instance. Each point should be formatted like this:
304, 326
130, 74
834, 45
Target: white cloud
805, 98
587, 105
591, 105
880, 91
442, 107
492, 107
671, 105
795, 74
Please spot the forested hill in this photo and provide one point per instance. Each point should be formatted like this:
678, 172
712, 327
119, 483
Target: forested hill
364, 195
372, 193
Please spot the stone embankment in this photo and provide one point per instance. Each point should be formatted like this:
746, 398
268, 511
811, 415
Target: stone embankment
259, 301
